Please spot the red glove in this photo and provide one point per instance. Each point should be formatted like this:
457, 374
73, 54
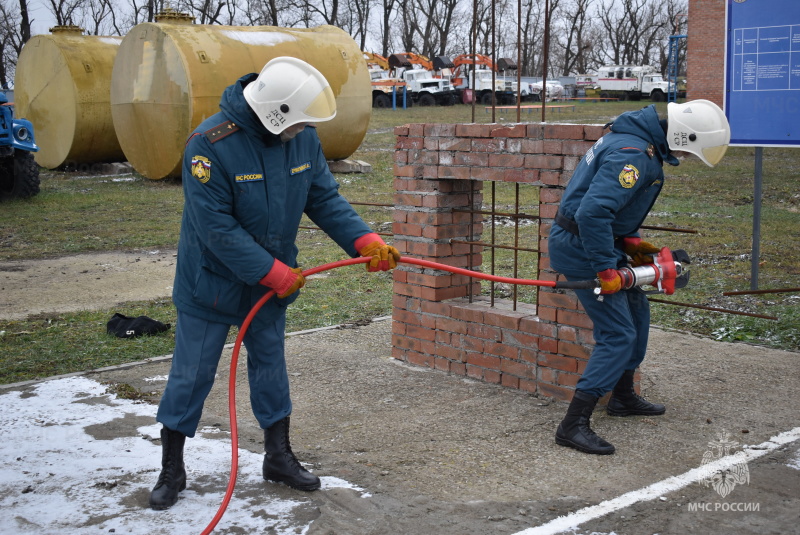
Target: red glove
283, 279
639, 251
610, 281
384, 257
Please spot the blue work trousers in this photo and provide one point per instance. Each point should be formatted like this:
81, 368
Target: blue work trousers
198, 348
621, 329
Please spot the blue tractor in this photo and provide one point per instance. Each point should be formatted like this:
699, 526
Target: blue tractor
19, 173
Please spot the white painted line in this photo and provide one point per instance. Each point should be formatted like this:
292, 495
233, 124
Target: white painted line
671, 484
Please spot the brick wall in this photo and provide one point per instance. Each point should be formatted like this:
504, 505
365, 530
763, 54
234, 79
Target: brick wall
705, 70
540, 348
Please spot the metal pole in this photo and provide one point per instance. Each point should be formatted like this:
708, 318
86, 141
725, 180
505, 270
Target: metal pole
545, 55
756, 248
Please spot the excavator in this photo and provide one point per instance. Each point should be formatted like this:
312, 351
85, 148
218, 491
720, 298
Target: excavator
428, 80
480, 67
387, 91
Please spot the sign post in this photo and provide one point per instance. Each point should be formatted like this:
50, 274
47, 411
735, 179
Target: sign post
762, 85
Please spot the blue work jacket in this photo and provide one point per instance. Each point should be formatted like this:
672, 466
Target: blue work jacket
245, 192
610, 194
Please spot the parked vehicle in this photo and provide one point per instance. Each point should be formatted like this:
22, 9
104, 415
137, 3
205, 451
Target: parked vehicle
425, 86
19, 173
385, 87
476, 71
629, 82
554, 91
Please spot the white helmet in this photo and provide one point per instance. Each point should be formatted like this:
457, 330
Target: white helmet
699, 127
289, 91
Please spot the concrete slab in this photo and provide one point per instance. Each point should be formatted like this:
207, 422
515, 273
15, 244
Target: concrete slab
424, 452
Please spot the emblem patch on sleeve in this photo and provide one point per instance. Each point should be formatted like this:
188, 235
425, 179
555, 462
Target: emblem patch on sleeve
628, 176
201, 169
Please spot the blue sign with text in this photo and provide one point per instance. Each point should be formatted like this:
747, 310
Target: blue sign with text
762, 75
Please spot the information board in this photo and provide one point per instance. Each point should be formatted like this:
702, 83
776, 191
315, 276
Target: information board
762, 74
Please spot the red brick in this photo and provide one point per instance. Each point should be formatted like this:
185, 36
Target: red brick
455, 144
528, 386
517, 368
560, 393
539, 328
473, 130
458, 368
441, 364
479, 330
416, 129
440, 130
491, 145
576, 318
518, 339
568, 379
509, 381
574, 350
409, 143
506, 160
542, 161
547, 375
491, 377
563, 131
419, 359
501, 350
559, 300
558, 362
461, 173
519, 130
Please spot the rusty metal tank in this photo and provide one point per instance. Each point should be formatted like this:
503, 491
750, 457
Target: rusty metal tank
63, 86
169, 76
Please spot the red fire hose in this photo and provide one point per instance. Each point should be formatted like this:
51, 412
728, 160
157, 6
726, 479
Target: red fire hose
325, 267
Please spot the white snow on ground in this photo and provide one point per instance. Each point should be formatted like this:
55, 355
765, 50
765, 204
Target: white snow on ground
56, 478
795, 461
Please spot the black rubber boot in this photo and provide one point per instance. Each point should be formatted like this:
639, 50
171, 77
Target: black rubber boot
626, 402
280, 464
172, 478
574, 430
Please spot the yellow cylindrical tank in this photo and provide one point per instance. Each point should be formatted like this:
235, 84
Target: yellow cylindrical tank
63, 86
169, 76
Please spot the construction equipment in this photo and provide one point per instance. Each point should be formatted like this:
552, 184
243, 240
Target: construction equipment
19, 174
629, 82
425, 87
387, 91
475, 72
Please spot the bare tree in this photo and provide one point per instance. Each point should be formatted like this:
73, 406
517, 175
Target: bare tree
572, 39
355, 20
388, 12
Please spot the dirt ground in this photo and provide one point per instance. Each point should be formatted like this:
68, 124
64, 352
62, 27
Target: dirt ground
447, 455
83, 282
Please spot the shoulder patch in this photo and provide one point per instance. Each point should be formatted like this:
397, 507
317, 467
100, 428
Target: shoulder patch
201, 168
220, 131
628, 176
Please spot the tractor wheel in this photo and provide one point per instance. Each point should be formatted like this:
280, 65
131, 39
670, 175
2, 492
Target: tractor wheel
426, 99
19, 177
382, 101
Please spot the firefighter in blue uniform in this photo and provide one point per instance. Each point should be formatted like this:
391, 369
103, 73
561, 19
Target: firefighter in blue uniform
596, 231
249, 174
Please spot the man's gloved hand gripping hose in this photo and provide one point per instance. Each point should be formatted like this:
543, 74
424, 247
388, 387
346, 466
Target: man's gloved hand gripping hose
325, 267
